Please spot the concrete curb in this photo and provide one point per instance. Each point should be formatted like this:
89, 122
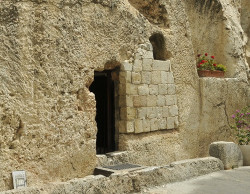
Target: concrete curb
129, 182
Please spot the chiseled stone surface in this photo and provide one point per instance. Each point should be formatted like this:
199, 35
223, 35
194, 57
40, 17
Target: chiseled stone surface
228, 152
156, 98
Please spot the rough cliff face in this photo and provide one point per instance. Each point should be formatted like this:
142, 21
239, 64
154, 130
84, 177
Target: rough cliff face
49, 50
245, 23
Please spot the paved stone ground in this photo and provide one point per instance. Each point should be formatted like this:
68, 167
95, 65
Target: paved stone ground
235, 181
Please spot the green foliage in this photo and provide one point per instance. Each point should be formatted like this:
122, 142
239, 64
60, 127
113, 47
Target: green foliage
242, 125
221, 67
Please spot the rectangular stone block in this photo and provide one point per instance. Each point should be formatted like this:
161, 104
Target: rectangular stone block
128, 113
159, 112
126, 66
131, 89
154, 124
130, 127
147, 64
142, 113
146, 77
162, 123
161, 65
125, 77
170, 122
161, 100
129, 101
143, 89
173, 110
138, 126
123, 113
122, 89
146, 125
151, 112
122, 101
136, 77
171, 100
171, 89
151, 101
163, 89
165, 111
140, 101
170, 77
156, 77
164, 77
148, 55
137, 67
122, 127
122, 77
128, 77
131, 113
153, 89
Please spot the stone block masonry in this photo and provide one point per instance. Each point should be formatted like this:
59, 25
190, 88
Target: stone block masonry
147, 95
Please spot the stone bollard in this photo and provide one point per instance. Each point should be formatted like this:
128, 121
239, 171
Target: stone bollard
228, 152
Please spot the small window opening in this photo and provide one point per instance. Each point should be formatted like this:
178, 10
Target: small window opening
158, 42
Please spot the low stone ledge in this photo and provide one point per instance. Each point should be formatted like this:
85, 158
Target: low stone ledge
228, 152
128, 182
176, 171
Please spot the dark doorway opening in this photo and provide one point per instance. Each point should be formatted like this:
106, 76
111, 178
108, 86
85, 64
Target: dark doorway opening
103, 88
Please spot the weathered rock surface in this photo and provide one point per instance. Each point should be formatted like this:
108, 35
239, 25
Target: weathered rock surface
228, 152
245, 23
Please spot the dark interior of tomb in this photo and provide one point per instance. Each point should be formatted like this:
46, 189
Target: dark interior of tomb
103, 88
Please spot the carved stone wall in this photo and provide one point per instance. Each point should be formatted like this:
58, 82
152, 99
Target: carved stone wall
148, 99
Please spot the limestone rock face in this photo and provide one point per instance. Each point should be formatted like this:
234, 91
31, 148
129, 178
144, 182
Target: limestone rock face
245, 23
50, 49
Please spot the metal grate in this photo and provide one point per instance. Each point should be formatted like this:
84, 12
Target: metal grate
122, 166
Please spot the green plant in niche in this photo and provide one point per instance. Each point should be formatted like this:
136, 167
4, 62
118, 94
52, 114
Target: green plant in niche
242, 125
